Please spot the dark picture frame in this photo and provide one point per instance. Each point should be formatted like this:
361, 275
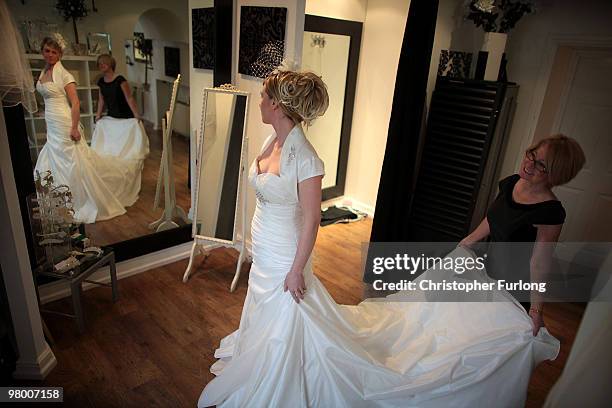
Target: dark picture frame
138, 55
262, 39
172, 61
203, 36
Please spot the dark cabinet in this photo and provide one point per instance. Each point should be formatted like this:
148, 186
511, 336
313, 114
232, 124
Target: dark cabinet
462, 152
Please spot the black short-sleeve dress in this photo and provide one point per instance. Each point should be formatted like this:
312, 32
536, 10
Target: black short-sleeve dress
514, 223
114, 99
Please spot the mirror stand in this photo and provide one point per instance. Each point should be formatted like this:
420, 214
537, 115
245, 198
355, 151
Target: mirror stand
166, 173
203, 245
221, 177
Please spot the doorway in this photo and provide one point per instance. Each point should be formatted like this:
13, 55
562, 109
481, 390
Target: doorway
578, 104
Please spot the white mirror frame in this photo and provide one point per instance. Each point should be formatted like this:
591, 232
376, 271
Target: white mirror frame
203, 244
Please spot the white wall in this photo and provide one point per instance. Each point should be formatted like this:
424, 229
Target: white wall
163, 28
529, 50
354, 10
135, 75
381, 43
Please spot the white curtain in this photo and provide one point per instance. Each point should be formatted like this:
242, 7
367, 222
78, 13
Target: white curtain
16, 83
587, 374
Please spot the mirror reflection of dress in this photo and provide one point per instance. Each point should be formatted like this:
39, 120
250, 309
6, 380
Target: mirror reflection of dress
378, 354
101, 188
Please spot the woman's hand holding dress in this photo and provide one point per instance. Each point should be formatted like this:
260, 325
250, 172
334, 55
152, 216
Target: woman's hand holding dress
294, 283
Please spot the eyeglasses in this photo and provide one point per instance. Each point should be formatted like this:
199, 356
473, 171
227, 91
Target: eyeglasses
537, 164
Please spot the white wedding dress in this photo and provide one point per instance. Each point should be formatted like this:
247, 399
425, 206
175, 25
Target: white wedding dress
378, 354
121, 138
101, 187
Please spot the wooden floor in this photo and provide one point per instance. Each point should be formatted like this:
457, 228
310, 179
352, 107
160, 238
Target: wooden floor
153, 348
134, 223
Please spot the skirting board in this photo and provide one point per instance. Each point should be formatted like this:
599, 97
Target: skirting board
36, 370
58, 290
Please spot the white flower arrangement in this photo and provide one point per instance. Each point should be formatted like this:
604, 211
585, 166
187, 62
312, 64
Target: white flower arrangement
498, 16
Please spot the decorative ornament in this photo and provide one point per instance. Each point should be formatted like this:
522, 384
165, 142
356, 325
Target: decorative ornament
498, 16
228, 87
56, 215
72, 10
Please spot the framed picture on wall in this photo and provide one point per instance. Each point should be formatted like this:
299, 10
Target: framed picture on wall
203, 35
141, 44
99, 43
262, 39
172, 61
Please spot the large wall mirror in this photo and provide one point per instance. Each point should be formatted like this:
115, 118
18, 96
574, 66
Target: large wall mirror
331, 49
129, 234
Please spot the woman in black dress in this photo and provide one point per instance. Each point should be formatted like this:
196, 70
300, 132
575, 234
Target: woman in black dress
115, 93
527, 211
120, 133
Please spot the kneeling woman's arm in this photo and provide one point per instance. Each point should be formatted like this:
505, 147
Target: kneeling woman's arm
309, 192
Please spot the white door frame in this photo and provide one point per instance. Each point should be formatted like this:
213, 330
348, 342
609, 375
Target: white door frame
553, 43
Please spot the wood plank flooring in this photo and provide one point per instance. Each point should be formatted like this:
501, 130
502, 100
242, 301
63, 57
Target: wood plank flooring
134, 223
153, 348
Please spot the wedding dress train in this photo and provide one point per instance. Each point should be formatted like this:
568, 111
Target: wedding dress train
394, 353
101, 187
121, 138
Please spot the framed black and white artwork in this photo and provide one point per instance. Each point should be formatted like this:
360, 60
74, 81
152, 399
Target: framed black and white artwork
262, 39
455, 64
203, 35
172, 61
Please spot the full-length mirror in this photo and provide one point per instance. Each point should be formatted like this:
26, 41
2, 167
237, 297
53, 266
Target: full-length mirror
221, 152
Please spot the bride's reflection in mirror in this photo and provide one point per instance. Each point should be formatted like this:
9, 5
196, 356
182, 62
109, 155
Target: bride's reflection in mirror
119, 101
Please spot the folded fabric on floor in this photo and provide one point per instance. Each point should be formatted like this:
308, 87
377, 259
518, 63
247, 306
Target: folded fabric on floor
335, 215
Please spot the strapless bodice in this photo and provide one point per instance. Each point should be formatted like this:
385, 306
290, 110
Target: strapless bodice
56, 103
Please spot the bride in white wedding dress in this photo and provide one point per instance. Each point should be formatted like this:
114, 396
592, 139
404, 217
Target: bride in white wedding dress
101, 187
295, 347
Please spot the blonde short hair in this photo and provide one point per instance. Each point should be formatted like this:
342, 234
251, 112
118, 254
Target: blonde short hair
107, 59
564, 158
301, 95
51, 42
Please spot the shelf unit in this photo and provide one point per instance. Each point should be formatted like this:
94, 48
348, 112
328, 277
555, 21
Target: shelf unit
86, 73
